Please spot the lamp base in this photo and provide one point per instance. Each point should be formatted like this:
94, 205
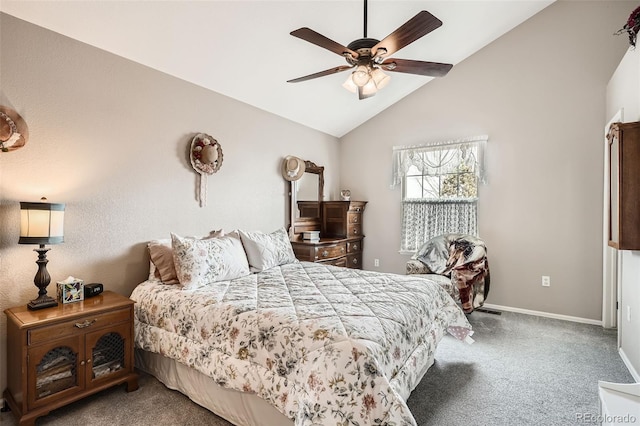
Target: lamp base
41, 281
43, 301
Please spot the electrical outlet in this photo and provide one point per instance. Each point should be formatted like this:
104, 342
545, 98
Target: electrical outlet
546, 281
376, 262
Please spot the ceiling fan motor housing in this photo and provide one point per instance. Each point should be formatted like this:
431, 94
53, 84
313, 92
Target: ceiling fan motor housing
363, 47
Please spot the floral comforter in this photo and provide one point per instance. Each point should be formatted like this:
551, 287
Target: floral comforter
323, 344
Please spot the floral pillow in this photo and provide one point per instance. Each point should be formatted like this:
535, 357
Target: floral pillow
161, 256
265, 251
201, 262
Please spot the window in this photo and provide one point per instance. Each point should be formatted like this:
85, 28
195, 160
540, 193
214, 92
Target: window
439, 189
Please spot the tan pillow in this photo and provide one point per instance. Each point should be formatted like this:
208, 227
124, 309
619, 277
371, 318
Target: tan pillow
162, 257
161, 254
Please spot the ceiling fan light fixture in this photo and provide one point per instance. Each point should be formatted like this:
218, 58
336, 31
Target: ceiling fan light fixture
380, 78
361, 76
350, 85
367, 91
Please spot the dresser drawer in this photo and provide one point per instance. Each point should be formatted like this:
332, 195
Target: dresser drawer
69, 328
354, 246
354, 230
329, 252
354, 261
354, 217
341, 261
356, 206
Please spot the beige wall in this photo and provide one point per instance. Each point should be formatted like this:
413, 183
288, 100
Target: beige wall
539, 93
623, 92
109, 138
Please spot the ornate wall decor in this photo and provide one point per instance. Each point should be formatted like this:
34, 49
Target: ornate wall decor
632, 27
13, 130
206, 159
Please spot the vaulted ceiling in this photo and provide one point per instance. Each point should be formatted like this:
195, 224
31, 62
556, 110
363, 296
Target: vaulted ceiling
242, 49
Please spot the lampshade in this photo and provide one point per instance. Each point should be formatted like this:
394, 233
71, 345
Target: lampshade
367, 90
380, 78
350, 85
361, 76
41, 223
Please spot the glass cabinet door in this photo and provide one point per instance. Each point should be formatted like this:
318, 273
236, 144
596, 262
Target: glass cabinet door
109, 355
54, 371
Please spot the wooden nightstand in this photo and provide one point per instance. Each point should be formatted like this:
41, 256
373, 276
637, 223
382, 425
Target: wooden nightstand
61, 354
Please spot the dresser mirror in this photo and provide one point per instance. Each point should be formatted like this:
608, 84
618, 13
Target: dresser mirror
305, 200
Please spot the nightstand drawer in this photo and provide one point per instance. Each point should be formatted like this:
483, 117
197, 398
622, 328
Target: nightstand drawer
329, 252
69, 328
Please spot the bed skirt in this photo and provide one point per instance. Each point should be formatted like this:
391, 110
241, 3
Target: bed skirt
239, 408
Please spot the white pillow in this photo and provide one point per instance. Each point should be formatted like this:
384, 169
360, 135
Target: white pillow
201, 262
265, 251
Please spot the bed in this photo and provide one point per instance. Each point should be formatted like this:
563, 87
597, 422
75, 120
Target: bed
289, 342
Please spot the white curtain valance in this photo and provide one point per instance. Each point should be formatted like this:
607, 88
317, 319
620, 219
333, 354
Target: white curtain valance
441, 157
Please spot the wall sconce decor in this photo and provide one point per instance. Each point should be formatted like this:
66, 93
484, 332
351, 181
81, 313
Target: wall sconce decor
41, 223
13, 130
206, 159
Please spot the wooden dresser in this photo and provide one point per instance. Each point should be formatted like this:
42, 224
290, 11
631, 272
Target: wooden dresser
341, 236
61, 354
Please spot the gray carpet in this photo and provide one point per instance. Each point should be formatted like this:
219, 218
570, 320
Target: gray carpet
522, 370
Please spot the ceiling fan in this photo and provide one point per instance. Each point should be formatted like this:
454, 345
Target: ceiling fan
370, 56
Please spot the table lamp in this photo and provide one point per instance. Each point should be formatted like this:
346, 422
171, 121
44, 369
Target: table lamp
41, 223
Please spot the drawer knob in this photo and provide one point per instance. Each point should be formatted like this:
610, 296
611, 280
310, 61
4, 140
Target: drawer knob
355, 247
355, 219
355, 232
325, 253
85, 323
82, 362
355, 261
342, 249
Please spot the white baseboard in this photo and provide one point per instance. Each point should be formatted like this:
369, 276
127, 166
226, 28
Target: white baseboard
543, 314
626, 361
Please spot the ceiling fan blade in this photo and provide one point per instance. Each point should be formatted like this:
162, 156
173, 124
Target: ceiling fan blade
318, 39
431, 69
421, 24
321, 73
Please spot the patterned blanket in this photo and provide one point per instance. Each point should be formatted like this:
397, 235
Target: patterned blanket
323, 344
464, 258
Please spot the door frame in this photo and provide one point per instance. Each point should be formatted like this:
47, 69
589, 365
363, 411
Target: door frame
610, 261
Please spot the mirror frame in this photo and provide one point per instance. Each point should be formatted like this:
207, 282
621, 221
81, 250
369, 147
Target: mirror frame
301, 224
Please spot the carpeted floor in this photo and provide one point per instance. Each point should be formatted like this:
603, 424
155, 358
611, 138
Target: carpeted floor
522, 370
